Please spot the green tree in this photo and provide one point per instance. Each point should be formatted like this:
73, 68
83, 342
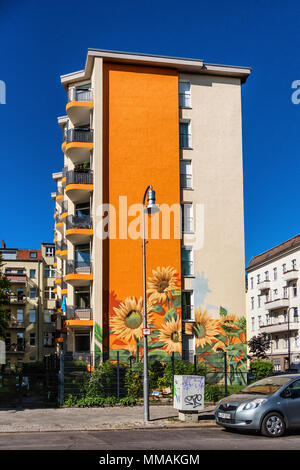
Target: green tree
4, 303
258, 346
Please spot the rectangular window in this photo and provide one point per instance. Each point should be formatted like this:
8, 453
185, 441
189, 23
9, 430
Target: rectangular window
258, 278
275, 274
286, 341
294, 264
251, 282
187, 305
285, 292
20, 315
252, 303
32, 339
32, 314
284, 268
259, 300
266, 275
49, 251
20, 271
187, 217
186, 177
49, 271
185, 134
33, 254
187, 261
252, 323
294, 289
275, 294
48, 316
32, 293
49, 293
32, 273
48, 339
276, 342
185, 94
296, 318
259, 320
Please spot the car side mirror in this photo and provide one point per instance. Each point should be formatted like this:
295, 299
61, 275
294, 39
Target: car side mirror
287, 393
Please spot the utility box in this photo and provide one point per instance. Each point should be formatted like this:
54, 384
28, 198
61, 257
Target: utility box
188, 392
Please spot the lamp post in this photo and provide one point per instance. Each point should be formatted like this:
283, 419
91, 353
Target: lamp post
150, 208
289, 346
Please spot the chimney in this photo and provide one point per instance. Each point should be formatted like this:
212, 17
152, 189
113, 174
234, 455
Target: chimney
3, 244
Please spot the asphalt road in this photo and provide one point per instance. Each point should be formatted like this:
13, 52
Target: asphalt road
155, 439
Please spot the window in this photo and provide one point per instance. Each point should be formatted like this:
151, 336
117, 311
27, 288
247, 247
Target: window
185, 94
294, 264
82, 297
20, 271
187, 261
187, 305
267, 276
285, 316
294, 289
286, 341
49, 271
48, 339
49, 293
285, 292
32, 294
32, 339
275, 274
33, 254
186, 177
187, 217
296, 318
82, 255
258, 278
259, 320
32, 273
296, 340
20, 315
251, 282
185, 135
252, 323
32, 316
82, 342
284, 268
252, 303
276, 342
259, 300
275, 294
188, 347
49, 251
48, 316
268, 319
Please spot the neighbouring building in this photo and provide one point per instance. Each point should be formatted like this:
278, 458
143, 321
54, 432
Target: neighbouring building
32, 304
274, 301
133, 120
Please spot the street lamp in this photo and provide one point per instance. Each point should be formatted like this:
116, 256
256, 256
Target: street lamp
289, 346
151, 208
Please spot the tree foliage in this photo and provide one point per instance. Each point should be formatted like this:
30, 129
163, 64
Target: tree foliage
259, 345
4, 303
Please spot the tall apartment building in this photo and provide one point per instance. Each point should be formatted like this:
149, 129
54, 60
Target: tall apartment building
32, 304
135, 120
274, 301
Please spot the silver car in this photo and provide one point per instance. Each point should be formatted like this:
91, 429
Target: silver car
270, 406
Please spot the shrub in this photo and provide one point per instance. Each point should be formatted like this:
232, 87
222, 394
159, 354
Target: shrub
133, 383
261, 368
102, 382
128, 401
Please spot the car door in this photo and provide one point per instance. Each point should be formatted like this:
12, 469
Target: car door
291, 403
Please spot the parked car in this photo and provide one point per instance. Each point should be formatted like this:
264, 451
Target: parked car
269, 406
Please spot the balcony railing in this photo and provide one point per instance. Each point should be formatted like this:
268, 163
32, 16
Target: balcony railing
79, 313
187, 312
78, 267
186, 181
187, 224
64, 207
15, 299
185, 140
75, 135
15, 347
77, 94
184, 100
79, 177
74, 221
59, 191
16, 324
187, 268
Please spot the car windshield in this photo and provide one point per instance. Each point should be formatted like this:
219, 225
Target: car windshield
266, 386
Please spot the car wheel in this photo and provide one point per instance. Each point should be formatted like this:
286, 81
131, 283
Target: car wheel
273, 425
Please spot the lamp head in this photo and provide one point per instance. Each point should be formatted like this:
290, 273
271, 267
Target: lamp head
151, 207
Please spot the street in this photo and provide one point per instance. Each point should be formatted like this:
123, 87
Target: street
147, 439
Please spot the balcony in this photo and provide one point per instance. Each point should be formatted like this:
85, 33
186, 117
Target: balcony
64, 288
78, 273
79, 229
291, 275
17, 278
16, 325
63, 252
64, 210
80, 103
59, 195
79, 185
277, 304
77, 316
264, 285
15, 299
15, 348
280, 327
78, 144
59, 224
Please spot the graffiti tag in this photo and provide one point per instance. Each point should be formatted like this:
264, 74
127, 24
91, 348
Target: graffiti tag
193, 400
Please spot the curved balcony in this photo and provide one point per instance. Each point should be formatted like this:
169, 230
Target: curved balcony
59, 195
62, 249
277, 304
78, 273
64, 211
64, 288
79, 229
59, 224
80, 103
78, 144
79, 185
77, 316
15, 299
264, 285
291, 275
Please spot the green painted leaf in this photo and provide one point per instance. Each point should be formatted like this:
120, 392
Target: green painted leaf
98, 333
176, 292
155, 333
223, 312
159, 355
152, 326
98, 351
170, 314
124, 354
204, 349
176, 302
157, 308
156, 344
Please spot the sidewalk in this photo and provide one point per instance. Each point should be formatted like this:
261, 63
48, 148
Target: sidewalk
96, 419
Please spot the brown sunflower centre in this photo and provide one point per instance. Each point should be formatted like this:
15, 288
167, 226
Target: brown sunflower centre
133, 319
175, 337
199, 330
162, 286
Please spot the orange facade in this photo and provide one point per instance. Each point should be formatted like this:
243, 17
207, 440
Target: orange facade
141, 147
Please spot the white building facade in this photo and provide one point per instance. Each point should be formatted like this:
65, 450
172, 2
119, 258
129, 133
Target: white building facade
273, 299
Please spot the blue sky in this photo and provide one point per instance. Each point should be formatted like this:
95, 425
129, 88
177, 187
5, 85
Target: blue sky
42, 40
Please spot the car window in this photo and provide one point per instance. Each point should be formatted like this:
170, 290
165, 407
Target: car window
266, 386
295, 389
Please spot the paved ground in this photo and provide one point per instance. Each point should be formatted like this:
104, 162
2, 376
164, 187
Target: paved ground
202, 438
94, 419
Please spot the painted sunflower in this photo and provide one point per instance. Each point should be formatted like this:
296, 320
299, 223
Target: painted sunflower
170, 333
127, 323
219, 345
162, 283
229, 320
203, 328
